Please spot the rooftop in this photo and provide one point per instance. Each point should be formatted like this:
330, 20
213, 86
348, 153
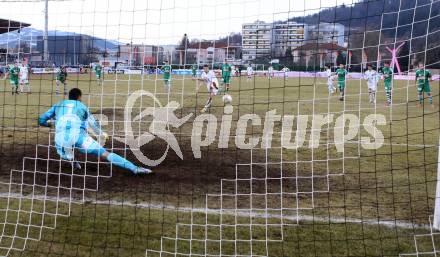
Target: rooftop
10, 25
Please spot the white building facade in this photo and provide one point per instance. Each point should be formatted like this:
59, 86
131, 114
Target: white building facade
273, 40
285, 36
256, 38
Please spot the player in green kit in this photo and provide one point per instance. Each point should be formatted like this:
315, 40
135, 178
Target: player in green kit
423, 77
226, 75
61, 78
341, 72
13, 73
98, 73
194, 69
387, 73
166, 69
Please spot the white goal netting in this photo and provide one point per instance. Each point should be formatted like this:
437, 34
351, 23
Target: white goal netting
327, 146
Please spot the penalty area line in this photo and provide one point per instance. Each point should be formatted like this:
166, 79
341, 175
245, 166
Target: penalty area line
229, 212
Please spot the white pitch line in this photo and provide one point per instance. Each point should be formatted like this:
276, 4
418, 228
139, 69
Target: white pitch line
231, 212
396, 144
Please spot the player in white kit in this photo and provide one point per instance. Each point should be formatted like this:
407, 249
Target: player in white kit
285, 70
372, 78
270, 73
250, 73
330, 86
24, 79
210, 78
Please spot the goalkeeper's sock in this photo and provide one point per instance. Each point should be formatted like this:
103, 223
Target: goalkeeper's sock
430, 99
121, 162
420, 98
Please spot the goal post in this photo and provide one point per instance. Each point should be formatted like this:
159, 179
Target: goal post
436, 220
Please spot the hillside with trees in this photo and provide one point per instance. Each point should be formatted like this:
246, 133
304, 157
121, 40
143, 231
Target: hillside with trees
370, 23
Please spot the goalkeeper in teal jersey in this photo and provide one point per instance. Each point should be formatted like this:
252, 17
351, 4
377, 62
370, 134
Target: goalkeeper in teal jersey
388, 75
226, 75
71, 118
341, 73
423, 77
98, 73
13, 73
166, 69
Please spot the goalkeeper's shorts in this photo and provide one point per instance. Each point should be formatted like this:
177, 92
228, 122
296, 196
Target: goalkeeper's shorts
84, 143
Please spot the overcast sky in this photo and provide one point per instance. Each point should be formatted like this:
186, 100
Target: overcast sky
158, 21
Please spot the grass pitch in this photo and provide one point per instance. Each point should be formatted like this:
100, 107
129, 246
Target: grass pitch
127, 215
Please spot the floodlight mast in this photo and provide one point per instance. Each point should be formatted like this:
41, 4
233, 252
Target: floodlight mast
46, 28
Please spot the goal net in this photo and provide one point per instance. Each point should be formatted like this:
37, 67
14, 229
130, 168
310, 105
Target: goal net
273, 128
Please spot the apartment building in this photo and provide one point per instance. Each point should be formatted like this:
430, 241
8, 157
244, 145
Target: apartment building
257, 37
286, 36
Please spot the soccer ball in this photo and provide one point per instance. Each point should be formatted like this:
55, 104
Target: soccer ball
227, 99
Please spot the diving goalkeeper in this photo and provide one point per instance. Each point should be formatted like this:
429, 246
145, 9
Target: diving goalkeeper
71, 118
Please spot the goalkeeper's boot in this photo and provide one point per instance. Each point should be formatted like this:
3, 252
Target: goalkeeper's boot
143, 171
204, 110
